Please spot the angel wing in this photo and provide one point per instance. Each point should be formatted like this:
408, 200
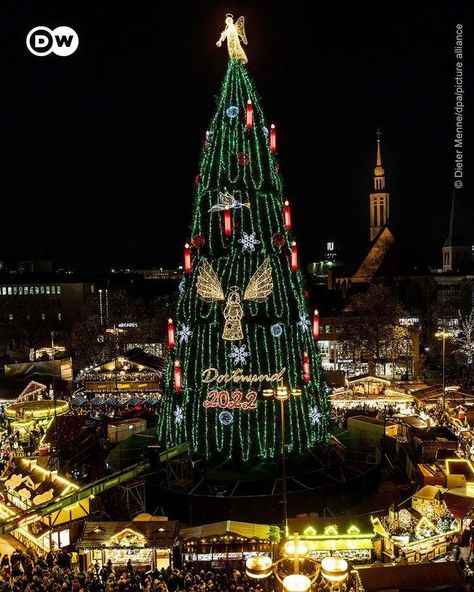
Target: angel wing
208, 284
260, 284
240, 26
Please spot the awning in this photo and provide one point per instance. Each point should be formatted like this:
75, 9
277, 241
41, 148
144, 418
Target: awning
339, 544
113, 401
151, 401
97, 401
78, 399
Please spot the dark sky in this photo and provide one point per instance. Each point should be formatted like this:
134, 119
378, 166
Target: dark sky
99, 150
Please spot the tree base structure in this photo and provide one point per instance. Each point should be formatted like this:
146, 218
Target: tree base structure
329, 478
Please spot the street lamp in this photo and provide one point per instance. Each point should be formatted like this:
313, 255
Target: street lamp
51, 351
259, 567
443, 334
282, 394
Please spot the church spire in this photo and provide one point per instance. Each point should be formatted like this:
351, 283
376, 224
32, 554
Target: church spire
379, 172
379, 199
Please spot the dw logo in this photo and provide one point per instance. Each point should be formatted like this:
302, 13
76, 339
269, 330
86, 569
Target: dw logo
41, 41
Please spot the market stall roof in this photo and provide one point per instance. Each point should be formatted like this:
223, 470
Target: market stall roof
315, 526
247, 530
459, 504
430, 492
419, 577
367, 378
159, 534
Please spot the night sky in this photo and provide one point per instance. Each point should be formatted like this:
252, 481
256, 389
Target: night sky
99, 150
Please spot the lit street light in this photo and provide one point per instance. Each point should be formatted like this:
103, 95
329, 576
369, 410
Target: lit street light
282, 394
443, 334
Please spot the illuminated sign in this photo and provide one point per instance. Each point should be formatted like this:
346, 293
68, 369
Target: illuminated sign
210, 375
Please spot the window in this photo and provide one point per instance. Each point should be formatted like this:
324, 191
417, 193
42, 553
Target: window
58, 289
43, 316
59, 316
37, 289
26, 290
41, 289
9, 290
4, 291
20, 289
10, 317
15, 290
48, 289
53, 289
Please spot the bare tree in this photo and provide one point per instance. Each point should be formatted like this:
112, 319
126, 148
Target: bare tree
465, 337
372, 331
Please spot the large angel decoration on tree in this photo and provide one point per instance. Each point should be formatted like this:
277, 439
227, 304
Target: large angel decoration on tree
258, 289
234, 33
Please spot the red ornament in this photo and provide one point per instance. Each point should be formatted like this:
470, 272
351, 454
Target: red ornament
306, 368
227, 222
294, 256
287, 212
198, 241
273, 138
249, 115
187, 258
197, 180
243, 158
316, 324
177, 376
170, 334
278, 240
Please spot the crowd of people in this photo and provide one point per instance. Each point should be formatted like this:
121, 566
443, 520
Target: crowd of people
21, 572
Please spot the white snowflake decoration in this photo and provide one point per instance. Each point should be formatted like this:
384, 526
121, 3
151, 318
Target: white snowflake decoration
304, 323
182, 286
239, 354
248, 241
184, 333
178, 414
315, 415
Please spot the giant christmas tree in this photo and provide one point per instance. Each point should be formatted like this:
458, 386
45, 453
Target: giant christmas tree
242, 327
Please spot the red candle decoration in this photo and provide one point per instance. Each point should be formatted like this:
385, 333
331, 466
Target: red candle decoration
287, 212
294, 256
227, 222
306, 369
249, 114
187, 258
273, 138
170, 333
177, 376
316, 324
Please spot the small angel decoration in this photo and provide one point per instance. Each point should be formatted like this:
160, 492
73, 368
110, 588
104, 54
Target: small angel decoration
258, 289
233, 33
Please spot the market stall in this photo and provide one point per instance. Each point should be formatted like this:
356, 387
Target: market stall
223, 542
147, 542
352, 538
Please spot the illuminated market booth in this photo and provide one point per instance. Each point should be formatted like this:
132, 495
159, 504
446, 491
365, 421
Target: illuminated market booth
28, 485
124, 378
423, 530
352, 538
147, 541
28, 413
373, 392
223, 542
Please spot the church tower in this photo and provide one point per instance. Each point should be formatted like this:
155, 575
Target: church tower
458, 248
379, 199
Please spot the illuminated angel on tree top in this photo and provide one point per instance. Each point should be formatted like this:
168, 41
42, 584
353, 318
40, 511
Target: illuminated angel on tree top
234, 33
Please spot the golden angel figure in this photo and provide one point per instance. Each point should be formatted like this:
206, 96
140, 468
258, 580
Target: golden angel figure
234, 33
258, 289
